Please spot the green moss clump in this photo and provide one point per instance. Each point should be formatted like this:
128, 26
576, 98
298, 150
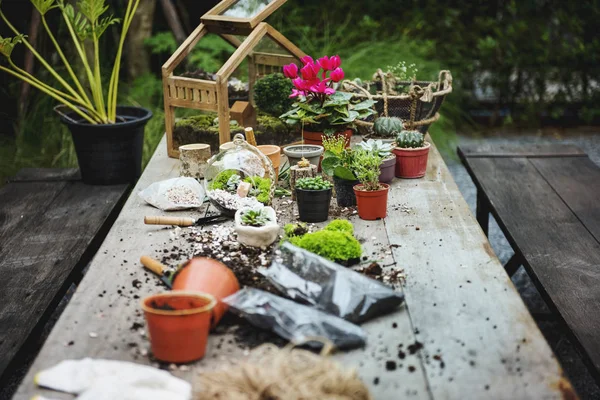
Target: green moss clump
269, 124
340, 225
261, 187
295, 229
331, 244
220, 181
205, 122
272, 94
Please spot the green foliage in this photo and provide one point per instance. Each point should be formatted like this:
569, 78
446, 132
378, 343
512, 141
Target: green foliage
261, 188
7, 45
335, 144
255, 218
271, 94
161, 42
410, 139
329, 117
365, 165
341, 225
335, 245
387, 127
298, 229
221, 181
316, 183
403, 71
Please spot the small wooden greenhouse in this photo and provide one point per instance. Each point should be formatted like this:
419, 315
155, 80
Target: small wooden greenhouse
240, 23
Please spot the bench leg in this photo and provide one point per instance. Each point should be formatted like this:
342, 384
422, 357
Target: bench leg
513, 265
483, 212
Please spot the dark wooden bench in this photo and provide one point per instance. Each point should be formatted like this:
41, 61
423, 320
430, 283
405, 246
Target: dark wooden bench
546, 199
51, 225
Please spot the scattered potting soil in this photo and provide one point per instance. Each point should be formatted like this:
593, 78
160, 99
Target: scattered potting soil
164, 307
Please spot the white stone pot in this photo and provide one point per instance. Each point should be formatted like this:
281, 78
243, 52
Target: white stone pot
257, 236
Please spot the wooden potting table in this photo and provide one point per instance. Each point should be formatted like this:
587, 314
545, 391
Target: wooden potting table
479, 340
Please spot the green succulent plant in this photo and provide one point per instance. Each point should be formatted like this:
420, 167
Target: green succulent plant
387, 127
255, 218
410, 140
316, 183
384, 150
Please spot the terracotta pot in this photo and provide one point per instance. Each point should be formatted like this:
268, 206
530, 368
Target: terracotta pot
178, 324
317, 137
372, 204
274, 154
387, 169
206, 275
411, 163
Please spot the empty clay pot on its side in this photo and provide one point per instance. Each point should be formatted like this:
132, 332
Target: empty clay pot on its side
206, 275
274, 154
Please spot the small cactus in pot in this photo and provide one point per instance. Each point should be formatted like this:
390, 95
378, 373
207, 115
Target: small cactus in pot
387, 128
410, 140
411, 153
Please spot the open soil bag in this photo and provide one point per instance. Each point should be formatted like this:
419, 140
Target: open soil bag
306, 277
292, 321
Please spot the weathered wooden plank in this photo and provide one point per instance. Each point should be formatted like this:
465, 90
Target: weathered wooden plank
461, 301
560, 254
112, 315
46, 175
39, 260
515, 150
577, 182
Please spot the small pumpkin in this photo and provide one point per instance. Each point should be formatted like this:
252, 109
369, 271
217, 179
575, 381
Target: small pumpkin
387, 127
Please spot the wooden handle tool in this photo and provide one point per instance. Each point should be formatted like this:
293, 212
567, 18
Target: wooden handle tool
179, 221
157, 267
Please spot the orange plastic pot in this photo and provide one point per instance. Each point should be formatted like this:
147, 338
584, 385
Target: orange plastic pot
210, 276
274, 154
372, 204
178, 324
411, 163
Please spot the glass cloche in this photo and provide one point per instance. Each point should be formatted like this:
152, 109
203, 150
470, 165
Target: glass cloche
241, 176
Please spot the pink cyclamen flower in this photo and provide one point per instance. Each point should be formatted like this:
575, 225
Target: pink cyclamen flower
335, 61
322, 87
308, 72
325, 63
290, 71
296, 93
337, 74
307, 60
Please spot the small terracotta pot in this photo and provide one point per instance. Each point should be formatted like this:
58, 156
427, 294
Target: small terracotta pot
206, 275
411, 163
387, 170
274, 154
372, 204
178, 324
317, 137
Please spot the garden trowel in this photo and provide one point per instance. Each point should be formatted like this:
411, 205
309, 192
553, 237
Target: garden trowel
158, 268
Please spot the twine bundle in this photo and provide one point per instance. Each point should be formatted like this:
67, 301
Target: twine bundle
272, 373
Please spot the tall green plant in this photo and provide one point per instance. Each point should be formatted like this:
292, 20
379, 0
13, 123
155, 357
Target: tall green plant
86, 23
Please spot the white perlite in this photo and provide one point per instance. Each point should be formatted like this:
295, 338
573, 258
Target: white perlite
182, 195
232, 201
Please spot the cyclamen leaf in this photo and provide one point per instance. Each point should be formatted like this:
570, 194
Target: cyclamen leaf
363, 105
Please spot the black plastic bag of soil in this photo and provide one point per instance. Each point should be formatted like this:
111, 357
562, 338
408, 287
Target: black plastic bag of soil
306, 277
292, 321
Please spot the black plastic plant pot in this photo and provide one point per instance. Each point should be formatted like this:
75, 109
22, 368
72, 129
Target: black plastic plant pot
313, 205
344, 192
110, 154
